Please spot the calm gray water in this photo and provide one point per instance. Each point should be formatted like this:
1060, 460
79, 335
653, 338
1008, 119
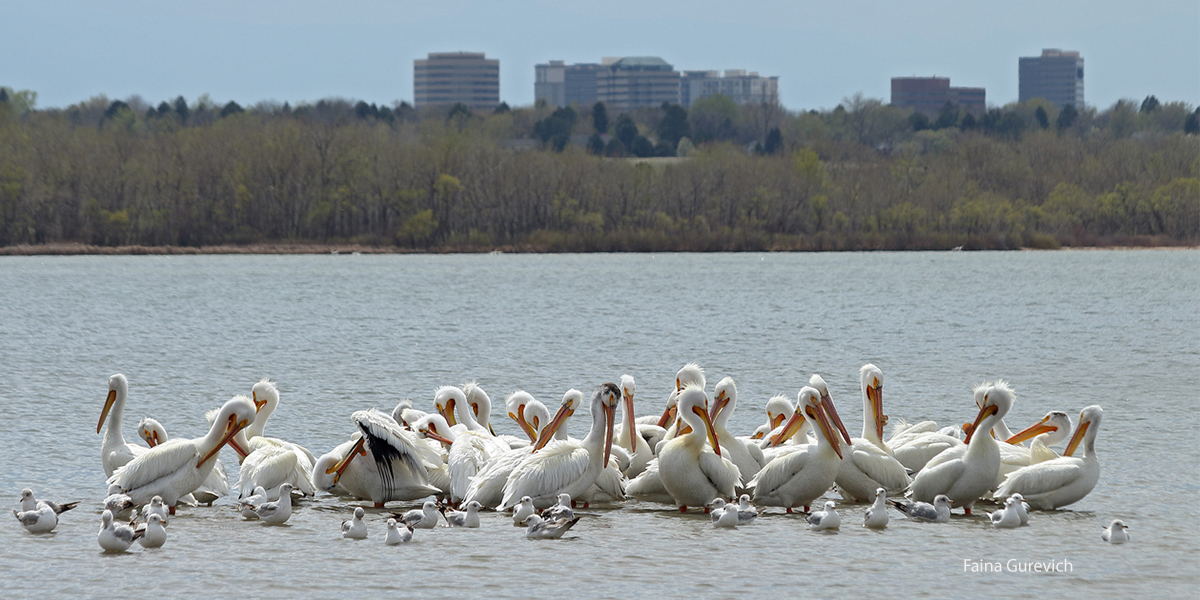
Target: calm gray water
343, 333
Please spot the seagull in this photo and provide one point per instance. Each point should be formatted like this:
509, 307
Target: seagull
723, 515
154, 533
825, 519
560, 511
938, 512
356, 528
1022, 508
278, 512
28, 502
248, 503
118, 503
41, 520
1115, 533
746, 511
523, 510
155, 507
464, 518
1007, 517
877, 515
542, 530
744, 516
395, 536
425, 517
116, 538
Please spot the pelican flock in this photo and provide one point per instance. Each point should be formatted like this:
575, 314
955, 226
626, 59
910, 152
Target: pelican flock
453, 462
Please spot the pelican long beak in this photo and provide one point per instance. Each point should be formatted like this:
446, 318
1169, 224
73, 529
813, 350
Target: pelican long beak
668, 414
231, 430
830, 411
875, 395
630, 423
708, 426
1032, 431
547, 434
988, 409
1077, 438
718, 404
447, 412
434, 435
822, 420
108, 404
237, 447
341, 465
153, 441
777, 420
793, 425
529, 430
757, 435
610, 413
257, 405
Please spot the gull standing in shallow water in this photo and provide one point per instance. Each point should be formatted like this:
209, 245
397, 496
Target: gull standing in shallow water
39, 520
827, 519
542, 530
523, 510
154, 534
723, 515
938, 512
395, 535
425, 517
468, 518
1115, 533
1007, 516
114, 538
877, 515
29, 502
355, 528
278, 512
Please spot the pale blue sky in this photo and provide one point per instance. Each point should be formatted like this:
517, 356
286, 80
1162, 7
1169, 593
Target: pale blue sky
304, 50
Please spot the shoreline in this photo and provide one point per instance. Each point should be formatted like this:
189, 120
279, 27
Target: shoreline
337, 249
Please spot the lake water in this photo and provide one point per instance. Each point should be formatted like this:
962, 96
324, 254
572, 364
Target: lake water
343, 333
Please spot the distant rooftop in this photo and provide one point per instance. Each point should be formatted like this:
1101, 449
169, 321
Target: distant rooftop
641, 63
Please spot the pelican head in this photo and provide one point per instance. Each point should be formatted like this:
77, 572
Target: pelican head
265, 396
607, 395
997, 400
818, 382
235, 415
1056, 426
446, 399
515, 404
630, 422
671, 410
1085, 431
398, 412
693, 404
481, 405
152, 432
724, 400
691, 373
118, 387
434, 427
872, 387
793, 424
571, 402
778, 409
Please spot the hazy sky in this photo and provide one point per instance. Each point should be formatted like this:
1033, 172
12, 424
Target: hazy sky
304, 50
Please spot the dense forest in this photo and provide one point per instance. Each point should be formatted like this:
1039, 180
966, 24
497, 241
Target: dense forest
715, 176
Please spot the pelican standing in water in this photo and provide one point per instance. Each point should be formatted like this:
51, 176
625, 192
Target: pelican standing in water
778, 410
628, 435
114, 451
747, 456
397, 469
570, 466
271, 461
1054, 428
1057, 483
692, 472
474, 445
179, 466
797, 477
216, 484
869, 463
966, 473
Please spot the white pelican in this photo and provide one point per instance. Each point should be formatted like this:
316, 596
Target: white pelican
1062, 481
690, 373
394, 536
278, 512
537, 529
915, 446
966, 473
778, 409
628, 435
215, 485
869, 463
271, 461
355, 528
648, 486
1115, 533
692, 472
569, 466
154, 535
560, 511
39, 520
473, 446
396, 471
518, 404
1006, 517
468, 518
425, 517
114, 451
437, 433
938, 512
179, 466
1054, 428
876, 516
29, 502
748, 457
481, 405
523, 510
114, 538
823, 520
799, 476
723, 515
405, 414
487, 486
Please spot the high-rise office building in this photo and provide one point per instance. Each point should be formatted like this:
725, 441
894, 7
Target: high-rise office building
929, 94
633, 81
1056, 75
561, 84
737, 84
456, 77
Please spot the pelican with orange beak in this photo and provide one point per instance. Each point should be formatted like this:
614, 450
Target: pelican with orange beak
1052, 429
179, 466
568, 466
745, 454
870, 464
692, 471
778, 410
215, 485
797, 477
628, 436
1057, 483
517, 404
267, 461
114, 451
966, 473
397, 469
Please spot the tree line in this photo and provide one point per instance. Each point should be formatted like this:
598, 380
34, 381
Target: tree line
864, 175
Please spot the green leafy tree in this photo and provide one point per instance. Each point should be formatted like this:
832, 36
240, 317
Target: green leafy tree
626, 130
919, 121
460, 111
642, 147
1149, 105
615, 148
231, 108
674, 125
774, 141
595, 144
947, 117
600, 117
502, 109
1066, 117
663, 148
713, 118
1043, 120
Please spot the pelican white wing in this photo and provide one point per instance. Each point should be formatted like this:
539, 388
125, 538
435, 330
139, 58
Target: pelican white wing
543, 475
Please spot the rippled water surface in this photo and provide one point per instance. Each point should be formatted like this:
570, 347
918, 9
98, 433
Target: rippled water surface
342, 333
